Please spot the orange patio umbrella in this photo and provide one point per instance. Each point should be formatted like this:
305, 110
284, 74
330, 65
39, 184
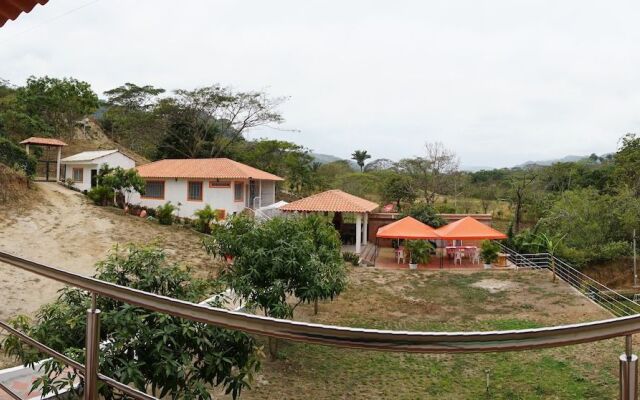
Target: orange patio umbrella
407, 228
469, 228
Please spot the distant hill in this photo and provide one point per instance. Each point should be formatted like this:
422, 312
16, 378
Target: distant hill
328, 158
570, 158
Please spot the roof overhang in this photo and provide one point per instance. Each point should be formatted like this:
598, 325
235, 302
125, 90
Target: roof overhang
10, 10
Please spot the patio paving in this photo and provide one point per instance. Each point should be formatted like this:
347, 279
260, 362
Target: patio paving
386, 259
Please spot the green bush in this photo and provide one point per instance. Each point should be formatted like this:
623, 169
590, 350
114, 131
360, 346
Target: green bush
164, 213
352, 258
489, 251
419, 251
101, 195
205, 217
15, 157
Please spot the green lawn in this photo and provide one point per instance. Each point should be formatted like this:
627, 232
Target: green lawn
446, 301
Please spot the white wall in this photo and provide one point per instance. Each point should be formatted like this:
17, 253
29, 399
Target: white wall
85, 184
268, 195
175, 191
113, 160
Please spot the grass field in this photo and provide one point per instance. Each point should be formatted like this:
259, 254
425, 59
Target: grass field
492, 300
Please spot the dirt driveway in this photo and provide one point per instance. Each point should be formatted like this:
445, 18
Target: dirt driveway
62, 228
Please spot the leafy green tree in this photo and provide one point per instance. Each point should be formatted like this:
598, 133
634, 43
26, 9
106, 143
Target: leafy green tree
133, 117
424, 213
627, 163
398, 188
432, 172
360, 156
283, 257
207, 121
170, 357
123, 182
596, 227
59, 103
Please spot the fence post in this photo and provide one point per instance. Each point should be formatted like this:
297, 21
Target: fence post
628, 372
91, 351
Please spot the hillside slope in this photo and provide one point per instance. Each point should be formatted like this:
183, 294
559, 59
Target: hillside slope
90, 136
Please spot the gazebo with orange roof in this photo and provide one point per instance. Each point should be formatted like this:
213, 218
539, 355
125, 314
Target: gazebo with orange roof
338, 202
46, 142
469, 228
407, 228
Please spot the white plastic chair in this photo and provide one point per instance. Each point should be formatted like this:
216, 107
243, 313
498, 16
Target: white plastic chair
457, 258
400, 255
475, 257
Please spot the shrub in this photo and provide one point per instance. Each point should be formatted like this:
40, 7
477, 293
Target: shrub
15, 157
101, 195
352, 258
205, 217
419, 251
164, 213
489, 251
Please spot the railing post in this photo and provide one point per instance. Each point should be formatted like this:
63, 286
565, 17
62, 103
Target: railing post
91, 351
628, 372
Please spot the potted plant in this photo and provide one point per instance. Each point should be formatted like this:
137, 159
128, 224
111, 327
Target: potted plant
489, 253
419, 252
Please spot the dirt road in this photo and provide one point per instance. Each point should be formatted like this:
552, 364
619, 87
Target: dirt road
63, 229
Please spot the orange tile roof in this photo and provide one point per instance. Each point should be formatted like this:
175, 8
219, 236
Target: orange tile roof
203, 168
333, 201
10, 10
407, 228
42, 141
470, 229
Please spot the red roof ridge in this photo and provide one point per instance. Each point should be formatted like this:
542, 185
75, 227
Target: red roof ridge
203, 168
332, 200
42, 141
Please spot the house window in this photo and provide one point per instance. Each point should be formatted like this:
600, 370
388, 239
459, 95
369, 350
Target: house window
194, 191
238, 191
154, 190
78, 174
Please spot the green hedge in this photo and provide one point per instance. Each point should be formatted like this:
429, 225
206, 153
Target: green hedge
14, 156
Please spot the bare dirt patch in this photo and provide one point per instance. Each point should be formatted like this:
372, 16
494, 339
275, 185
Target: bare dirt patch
494, 285
63, 229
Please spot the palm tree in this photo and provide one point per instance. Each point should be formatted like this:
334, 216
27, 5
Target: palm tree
550, 245
360, 156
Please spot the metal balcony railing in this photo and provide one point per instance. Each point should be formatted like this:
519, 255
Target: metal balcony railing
371, 339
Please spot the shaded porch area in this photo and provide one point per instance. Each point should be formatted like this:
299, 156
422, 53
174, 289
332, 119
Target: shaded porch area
386, 258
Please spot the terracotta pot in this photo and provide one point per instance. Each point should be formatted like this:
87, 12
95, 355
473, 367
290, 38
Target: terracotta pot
143, 214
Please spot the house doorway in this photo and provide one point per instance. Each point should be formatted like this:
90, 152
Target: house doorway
94, 178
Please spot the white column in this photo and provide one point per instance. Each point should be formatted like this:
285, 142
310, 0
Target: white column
365, 234
58, 164
358, 232
27, 148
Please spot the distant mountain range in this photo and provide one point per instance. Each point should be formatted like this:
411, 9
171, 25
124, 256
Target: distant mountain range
552, 161
328, 158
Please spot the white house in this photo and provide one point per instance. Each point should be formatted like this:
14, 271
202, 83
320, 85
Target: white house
190, 184
82, 168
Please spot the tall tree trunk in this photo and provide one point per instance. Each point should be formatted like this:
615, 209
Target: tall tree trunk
518, 216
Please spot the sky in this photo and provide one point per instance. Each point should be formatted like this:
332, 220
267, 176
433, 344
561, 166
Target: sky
497, 82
